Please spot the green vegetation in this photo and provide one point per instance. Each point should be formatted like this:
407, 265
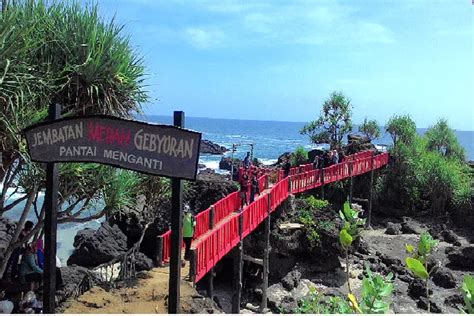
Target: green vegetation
370, 128
299, 157
317, 303
376, 293
353, 225
63, 52
418, 262
467, 291
375, 298
427, 173
313, 227
333, 123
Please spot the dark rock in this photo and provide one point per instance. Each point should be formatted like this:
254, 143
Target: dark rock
405, 278
372, 259
207, 171
201, 166
423, 304
313, 153
360, 276
389, 260
283, 158
208, 147
461, 258
356, 143
291, 280
130, 224
450, 237
94, 247
73, 276
378, 253
226, 163
409, 227
444, 278
207, 190
454, 301
417, 288
393, 229
363, 248
142, 262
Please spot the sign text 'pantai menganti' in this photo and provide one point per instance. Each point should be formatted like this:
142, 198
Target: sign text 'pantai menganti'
154, 149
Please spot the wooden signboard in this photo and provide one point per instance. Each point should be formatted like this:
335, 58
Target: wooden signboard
154, 149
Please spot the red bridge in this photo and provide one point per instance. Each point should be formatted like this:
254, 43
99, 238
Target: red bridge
222, 226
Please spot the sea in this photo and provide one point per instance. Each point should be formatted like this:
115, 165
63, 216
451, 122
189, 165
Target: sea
268, 138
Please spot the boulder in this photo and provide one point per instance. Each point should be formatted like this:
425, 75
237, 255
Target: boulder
94, 247
444, 278
409, 226
142, 262
276, 293
357, 143
461, 258
208, 147
302, 290
291, 280
313, 153
207, 190
72, 277
393, 229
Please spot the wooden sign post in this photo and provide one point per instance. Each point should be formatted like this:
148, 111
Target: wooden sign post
163, 150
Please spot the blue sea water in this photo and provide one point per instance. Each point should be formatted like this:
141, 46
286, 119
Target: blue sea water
270, 139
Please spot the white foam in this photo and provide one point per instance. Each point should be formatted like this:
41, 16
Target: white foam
212, 164
268, 162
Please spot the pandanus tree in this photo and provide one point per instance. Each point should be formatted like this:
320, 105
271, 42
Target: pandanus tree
65, 53
333, 123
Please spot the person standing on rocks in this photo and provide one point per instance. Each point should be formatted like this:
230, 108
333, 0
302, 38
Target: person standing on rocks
188, 232
13, 263
287, 168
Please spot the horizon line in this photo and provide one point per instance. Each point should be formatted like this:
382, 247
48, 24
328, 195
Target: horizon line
280, 121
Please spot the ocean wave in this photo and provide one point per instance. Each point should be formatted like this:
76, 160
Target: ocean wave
213, 164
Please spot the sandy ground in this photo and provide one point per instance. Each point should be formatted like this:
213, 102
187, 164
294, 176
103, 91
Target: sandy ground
148, 296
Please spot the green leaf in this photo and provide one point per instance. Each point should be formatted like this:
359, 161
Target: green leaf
417, 268
345, 238
409, 248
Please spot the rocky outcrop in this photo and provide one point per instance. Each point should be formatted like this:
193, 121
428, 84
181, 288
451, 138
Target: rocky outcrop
207, 190
283, 158
94, 247
356, 143
226, 163
208, 147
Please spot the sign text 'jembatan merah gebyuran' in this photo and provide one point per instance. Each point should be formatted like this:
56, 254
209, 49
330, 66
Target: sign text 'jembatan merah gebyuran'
154, 149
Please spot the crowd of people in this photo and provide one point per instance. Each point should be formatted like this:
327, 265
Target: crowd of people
25, 270
248, 182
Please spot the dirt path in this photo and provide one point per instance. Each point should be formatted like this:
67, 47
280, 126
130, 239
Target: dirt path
149, 296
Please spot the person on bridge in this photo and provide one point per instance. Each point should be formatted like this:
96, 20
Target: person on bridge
287, 168
244, 186
246, 161
254, 189
189, 223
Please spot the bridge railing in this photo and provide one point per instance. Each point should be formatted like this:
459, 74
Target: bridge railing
254, 214
202, 223
211, 249
226, 206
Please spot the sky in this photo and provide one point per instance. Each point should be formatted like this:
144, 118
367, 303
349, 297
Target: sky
279, 60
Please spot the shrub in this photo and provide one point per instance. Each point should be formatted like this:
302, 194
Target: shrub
299, 157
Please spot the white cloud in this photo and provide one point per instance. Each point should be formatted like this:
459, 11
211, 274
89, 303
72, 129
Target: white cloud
204, 38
